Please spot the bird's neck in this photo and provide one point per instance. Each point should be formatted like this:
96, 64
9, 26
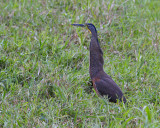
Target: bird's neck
96, 57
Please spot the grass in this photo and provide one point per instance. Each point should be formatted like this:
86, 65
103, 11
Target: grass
44, 61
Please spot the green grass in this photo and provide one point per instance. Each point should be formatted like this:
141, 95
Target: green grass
44, 62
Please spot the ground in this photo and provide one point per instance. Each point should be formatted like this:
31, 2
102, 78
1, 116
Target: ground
44, 62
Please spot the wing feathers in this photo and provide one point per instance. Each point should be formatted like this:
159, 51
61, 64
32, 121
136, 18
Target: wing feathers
109, 88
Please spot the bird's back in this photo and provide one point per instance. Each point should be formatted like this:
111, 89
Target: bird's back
107, 87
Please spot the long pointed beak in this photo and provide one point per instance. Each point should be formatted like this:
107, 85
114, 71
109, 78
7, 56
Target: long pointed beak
80, 25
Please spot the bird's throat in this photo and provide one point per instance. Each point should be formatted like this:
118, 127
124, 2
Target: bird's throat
96, 57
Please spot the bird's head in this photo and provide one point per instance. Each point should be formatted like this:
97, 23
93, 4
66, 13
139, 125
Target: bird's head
90, 27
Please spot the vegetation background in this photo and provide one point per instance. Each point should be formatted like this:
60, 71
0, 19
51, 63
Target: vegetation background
44, 61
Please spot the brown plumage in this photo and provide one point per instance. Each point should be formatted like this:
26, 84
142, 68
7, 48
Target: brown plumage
102, 83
